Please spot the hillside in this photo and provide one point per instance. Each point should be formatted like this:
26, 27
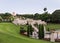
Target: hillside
9, 33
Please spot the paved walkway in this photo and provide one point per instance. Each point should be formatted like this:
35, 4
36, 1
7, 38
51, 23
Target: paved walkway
56, 35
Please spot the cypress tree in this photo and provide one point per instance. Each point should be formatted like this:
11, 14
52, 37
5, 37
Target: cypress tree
41, 32
29, 30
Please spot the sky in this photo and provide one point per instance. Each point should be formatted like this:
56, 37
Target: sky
28, 6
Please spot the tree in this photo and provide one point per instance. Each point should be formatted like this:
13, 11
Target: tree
45, 9
41, 32
0, 19
45, 17
36, 16
29, 30
55, 17
11, 18
6, 16
22, 30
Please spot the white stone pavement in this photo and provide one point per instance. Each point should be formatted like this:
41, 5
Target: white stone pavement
56, 35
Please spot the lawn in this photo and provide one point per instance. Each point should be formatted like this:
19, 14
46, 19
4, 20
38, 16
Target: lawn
9, 33
53, 26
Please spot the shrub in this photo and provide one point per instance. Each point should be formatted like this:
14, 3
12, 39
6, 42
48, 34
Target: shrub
22, 30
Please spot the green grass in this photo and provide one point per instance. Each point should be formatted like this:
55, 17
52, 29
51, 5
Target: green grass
53, 26
9, 33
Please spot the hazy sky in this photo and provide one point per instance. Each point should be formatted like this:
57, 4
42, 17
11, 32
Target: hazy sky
28, 6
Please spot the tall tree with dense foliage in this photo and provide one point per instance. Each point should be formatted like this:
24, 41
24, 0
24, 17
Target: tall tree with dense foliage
36, 16
0, 19
29, 30
41, 32
45, 9
55, 17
